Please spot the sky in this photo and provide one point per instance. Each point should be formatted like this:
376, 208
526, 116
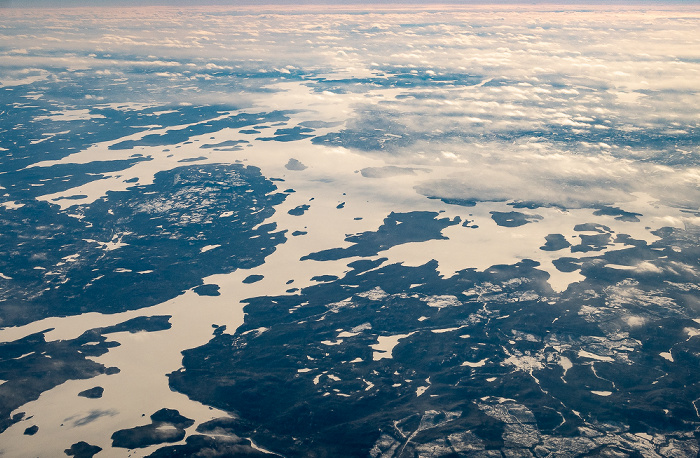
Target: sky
120, 3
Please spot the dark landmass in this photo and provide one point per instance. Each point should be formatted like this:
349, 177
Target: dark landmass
618, 213
253, 278
592, 243
167, 425
526, 204
193, 159
627, 240
592, 227
513, 219
397, 229
385, 134
92, 393
454, 201
334, 425
164, 226
211, 446
58, 177
324, 278
298, 233
23, 130
515, 369
207, 290
82, 450
588, 243
175, 136
289, 135
31, 430
555, 242
299, 210
567, 264
138, 324
228, 145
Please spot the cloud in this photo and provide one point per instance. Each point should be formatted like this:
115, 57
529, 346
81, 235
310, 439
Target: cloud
389, 171
504, 172
295, 164
557, 107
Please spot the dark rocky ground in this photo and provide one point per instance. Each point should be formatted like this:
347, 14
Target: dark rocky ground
491, 362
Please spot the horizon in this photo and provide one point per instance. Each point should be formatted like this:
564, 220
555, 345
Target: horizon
20, 4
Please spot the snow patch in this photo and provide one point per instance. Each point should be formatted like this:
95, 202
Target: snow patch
476, 364
667, 355
585, 354
385, 345
208, 247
